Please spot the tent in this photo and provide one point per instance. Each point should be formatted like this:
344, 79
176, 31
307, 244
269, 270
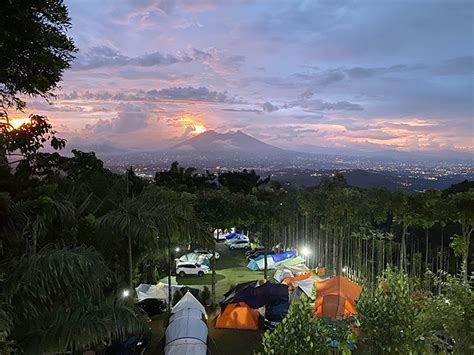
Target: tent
188, 302
336, 297
290, 281
258, 296
283, 256
297, 260
187, 330
238, 316
158, 291
232, 294
289, 271
275, 312
259, 263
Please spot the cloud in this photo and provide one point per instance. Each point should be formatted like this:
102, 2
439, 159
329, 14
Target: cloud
188, 93
130, 118
269, 107
242, 110
104, 56
456, 66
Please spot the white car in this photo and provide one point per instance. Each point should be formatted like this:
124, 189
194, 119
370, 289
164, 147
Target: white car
189, 268
207, 253
240, 244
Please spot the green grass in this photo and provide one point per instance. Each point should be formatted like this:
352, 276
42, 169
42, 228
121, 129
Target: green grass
231, 269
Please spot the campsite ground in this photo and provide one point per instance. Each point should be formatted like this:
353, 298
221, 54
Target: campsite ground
231, 269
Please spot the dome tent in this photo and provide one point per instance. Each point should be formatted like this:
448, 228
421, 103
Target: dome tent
238, 316
336, 297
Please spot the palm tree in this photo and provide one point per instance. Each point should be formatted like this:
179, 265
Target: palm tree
57, 303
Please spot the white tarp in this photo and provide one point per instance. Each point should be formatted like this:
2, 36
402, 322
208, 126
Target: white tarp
290, 271
187, 331
159, 291
188, 302
306, 285
270, 263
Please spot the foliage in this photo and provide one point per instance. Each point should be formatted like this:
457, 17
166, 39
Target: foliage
177, 297
205, 295
451, 312
58, 306
241, 181
184, 179
388, 314
301, 333
34, 48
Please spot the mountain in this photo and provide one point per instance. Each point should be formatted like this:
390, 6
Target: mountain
230, 142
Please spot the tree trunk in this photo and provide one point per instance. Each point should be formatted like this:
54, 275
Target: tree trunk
213, 280
169, 274
403, 250
130, 266
427, 248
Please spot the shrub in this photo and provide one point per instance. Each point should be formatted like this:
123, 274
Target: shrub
205, 296
388, 314
451, 312
177, 297
301, 333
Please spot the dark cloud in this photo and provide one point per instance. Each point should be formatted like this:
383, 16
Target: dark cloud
188, 93
456, 66
269, 107
103, 56
242, 110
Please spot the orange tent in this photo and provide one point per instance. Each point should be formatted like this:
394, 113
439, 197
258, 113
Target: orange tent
336, 297
289, 280
238, 316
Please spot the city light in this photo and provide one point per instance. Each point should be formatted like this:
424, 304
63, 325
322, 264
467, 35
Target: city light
305, 251
125, 293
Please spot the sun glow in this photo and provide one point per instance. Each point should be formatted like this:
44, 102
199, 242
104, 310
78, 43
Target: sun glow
17, 122
198, 129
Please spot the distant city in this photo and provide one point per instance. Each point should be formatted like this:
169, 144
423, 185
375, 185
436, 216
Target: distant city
217, 152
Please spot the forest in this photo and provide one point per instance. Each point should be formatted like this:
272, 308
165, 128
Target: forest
74, 235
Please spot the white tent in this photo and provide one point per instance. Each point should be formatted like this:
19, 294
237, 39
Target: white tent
188, 302
187, 331
159, 291
270, 263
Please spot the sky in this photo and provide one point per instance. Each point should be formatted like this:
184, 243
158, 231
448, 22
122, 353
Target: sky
367, 75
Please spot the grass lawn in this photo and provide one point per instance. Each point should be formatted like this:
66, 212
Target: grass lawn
231, 269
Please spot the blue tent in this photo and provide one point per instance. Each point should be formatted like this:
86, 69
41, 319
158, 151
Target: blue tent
283, 256
235, 235
275, 312
252, 265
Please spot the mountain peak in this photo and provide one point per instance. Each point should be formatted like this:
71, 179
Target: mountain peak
232, 141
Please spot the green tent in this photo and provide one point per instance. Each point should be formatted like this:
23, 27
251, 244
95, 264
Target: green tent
290, 262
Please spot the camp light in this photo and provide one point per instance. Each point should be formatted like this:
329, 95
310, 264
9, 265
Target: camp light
125, 293
305, 251
177, 250
344, 269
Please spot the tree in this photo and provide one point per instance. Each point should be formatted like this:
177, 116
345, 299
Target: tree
34, 49
301, 333
462, 212
184, 179
388, 314
56, 305
241, 181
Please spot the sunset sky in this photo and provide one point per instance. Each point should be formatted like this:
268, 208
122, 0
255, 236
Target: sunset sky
360, 74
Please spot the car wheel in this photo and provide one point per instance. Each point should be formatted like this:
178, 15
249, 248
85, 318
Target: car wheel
200, 274
231, 248
181, 274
